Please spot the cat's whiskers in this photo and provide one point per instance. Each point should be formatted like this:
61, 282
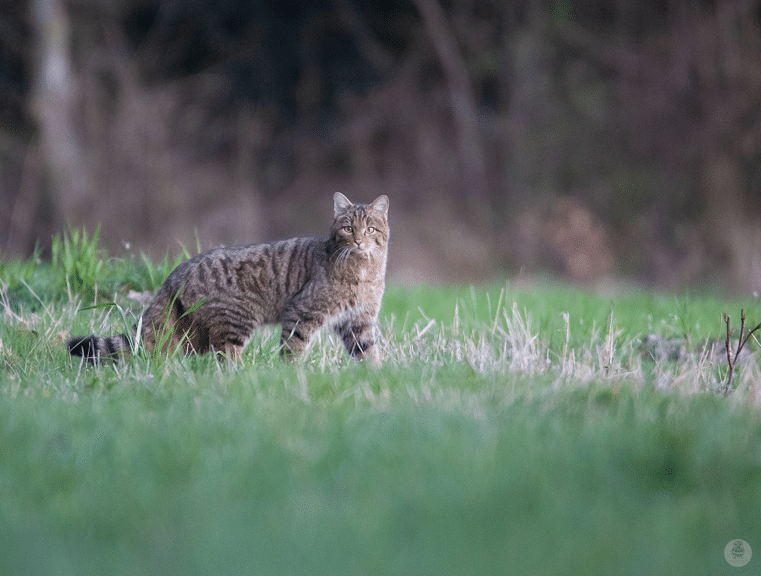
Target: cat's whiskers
343, 255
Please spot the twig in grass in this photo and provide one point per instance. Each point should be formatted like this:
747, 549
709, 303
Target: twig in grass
609, 342
427, 327
732, 362
567, 319
44, 307
496, 314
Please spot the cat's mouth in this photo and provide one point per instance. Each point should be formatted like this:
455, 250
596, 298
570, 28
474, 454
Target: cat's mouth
353, 251
366, 249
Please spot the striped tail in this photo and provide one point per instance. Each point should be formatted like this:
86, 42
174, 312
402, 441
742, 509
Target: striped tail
96, 348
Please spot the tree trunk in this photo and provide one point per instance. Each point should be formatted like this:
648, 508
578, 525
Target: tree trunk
54, 101
473, 167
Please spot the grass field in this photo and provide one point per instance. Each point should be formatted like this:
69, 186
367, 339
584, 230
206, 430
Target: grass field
510, 430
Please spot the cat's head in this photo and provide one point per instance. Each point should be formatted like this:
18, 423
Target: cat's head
360, 228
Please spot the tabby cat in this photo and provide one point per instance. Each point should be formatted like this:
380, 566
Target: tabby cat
216, 299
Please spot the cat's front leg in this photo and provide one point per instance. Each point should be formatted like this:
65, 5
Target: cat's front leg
358, 338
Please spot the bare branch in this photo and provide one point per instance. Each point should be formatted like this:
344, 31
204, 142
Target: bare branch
742, 333
742, 340
731, 364
747, 337
729, 336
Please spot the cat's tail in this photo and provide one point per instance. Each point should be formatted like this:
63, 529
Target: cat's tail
97, 348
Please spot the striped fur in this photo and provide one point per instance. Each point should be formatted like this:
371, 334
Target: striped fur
304, 284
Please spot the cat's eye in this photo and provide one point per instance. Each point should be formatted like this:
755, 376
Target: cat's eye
348, 229
370, 230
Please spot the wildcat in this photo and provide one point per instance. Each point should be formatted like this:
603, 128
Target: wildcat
216, 299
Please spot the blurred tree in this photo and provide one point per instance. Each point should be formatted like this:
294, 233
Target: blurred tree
462, 102
54, 109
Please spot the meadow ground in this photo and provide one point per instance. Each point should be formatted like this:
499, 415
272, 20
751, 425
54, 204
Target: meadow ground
509, 430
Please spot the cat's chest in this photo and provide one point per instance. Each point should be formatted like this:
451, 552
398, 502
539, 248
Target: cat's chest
355, 295
361, 286
361, 302
356, 285
360, 272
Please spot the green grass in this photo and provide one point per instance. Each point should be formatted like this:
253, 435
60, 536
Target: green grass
497, 437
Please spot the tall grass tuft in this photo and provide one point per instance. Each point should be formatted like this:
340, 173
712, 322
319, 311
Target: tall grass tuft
79, 260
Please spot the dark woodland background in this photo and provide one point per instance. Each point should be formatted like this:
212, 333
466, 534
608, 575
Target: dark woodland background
592, 139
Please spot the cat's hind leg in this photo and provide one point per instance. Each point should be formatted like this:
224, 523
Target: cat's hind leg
227, 342
233, 352
294, 339
298, 328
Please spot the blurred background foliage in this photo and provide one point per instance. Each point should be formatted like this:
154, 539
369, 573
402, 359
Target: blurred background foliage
590, 138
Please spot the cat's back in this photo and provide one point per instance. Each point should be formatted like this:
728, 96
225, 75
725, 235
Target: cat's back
279, 267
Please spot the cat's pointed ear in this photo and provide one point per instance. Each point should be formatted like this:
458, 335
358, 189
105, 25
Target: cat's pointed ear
340, 204
380, 204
